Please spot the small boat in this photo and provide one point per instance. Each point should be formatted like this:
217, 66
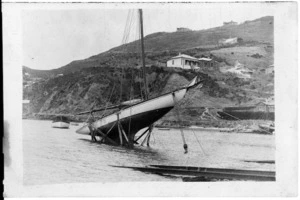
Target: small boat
267, 128
61, 122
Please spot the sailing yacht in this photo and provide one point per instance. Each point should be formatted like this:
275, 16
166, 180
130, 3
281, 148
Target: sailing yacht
121, 126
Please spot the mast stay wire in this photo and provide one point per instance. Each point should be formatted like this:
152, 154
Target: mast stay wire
199, 143
127, 32
125, 40
108, 100
135, 47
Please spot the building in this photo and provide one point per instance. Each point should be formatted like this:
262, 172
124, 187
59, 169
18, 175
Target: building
229, 23
182, 29
206, 62
183, 61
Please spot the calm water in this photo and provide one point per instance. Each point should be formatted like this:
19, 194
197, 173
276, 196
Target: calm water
62, 156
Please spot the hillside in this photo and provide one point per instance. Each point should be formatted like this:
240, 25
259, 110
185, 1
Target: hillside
98, 87
96, 81
259, 30
165, 45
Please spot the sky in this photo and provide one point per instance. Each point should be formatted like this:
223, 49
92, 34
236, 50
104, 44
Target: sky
53, 38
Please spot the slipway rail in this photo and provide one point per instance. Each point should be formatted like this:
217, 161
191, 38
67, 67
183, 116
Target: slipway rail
207, 173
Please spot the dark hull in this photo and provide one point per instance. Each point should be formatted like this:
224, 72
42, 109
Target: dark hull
131, 125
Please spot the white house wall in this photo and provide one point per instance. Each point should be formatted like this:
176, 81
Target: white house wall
179, 62
174, 63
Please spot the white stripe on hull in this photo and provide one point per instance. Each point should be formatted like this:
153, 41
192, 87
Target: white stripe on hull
164, 101
60, 125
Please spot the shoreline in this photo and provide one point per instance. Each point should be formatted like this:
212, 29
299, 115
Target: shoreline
222, 130
240, 129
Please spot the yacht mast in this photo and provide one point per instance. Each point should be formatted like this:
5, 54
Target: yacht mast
143, 54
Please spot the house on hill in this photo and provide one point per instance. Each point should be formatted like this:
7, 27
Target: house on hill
182, 29
229, 23
206, 62
183, 61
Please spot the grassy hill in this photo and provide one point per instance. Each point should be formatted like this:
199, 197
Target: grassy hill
89, 83
161, 46
259, 30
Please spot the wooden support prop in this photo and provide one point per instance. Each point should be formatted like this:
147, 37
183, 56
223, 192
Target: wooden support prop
103, 135
119, 130
102, 140
150, 131
145, 139
120, 135
148, 139
142, 134
92, 131
123, 132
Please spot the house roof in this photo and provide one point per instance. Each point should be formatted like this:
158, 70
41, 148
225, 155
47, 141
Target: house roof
185, 56
205, 59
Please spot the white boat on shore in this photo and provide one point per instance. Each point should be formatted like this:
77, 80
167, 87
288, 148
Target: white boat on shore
60, 122
140, 115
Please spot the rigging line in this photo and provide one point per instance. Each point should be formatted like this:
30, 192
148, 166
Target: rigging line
137, 36
104, 112
126, 30
132, 21
125, 40
187, 160
130, 25
136, 49
131, 16
130, 97
199, 144
185, 147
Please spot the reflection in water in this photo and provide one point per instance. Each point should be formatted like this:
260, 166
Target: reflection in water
61, 156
